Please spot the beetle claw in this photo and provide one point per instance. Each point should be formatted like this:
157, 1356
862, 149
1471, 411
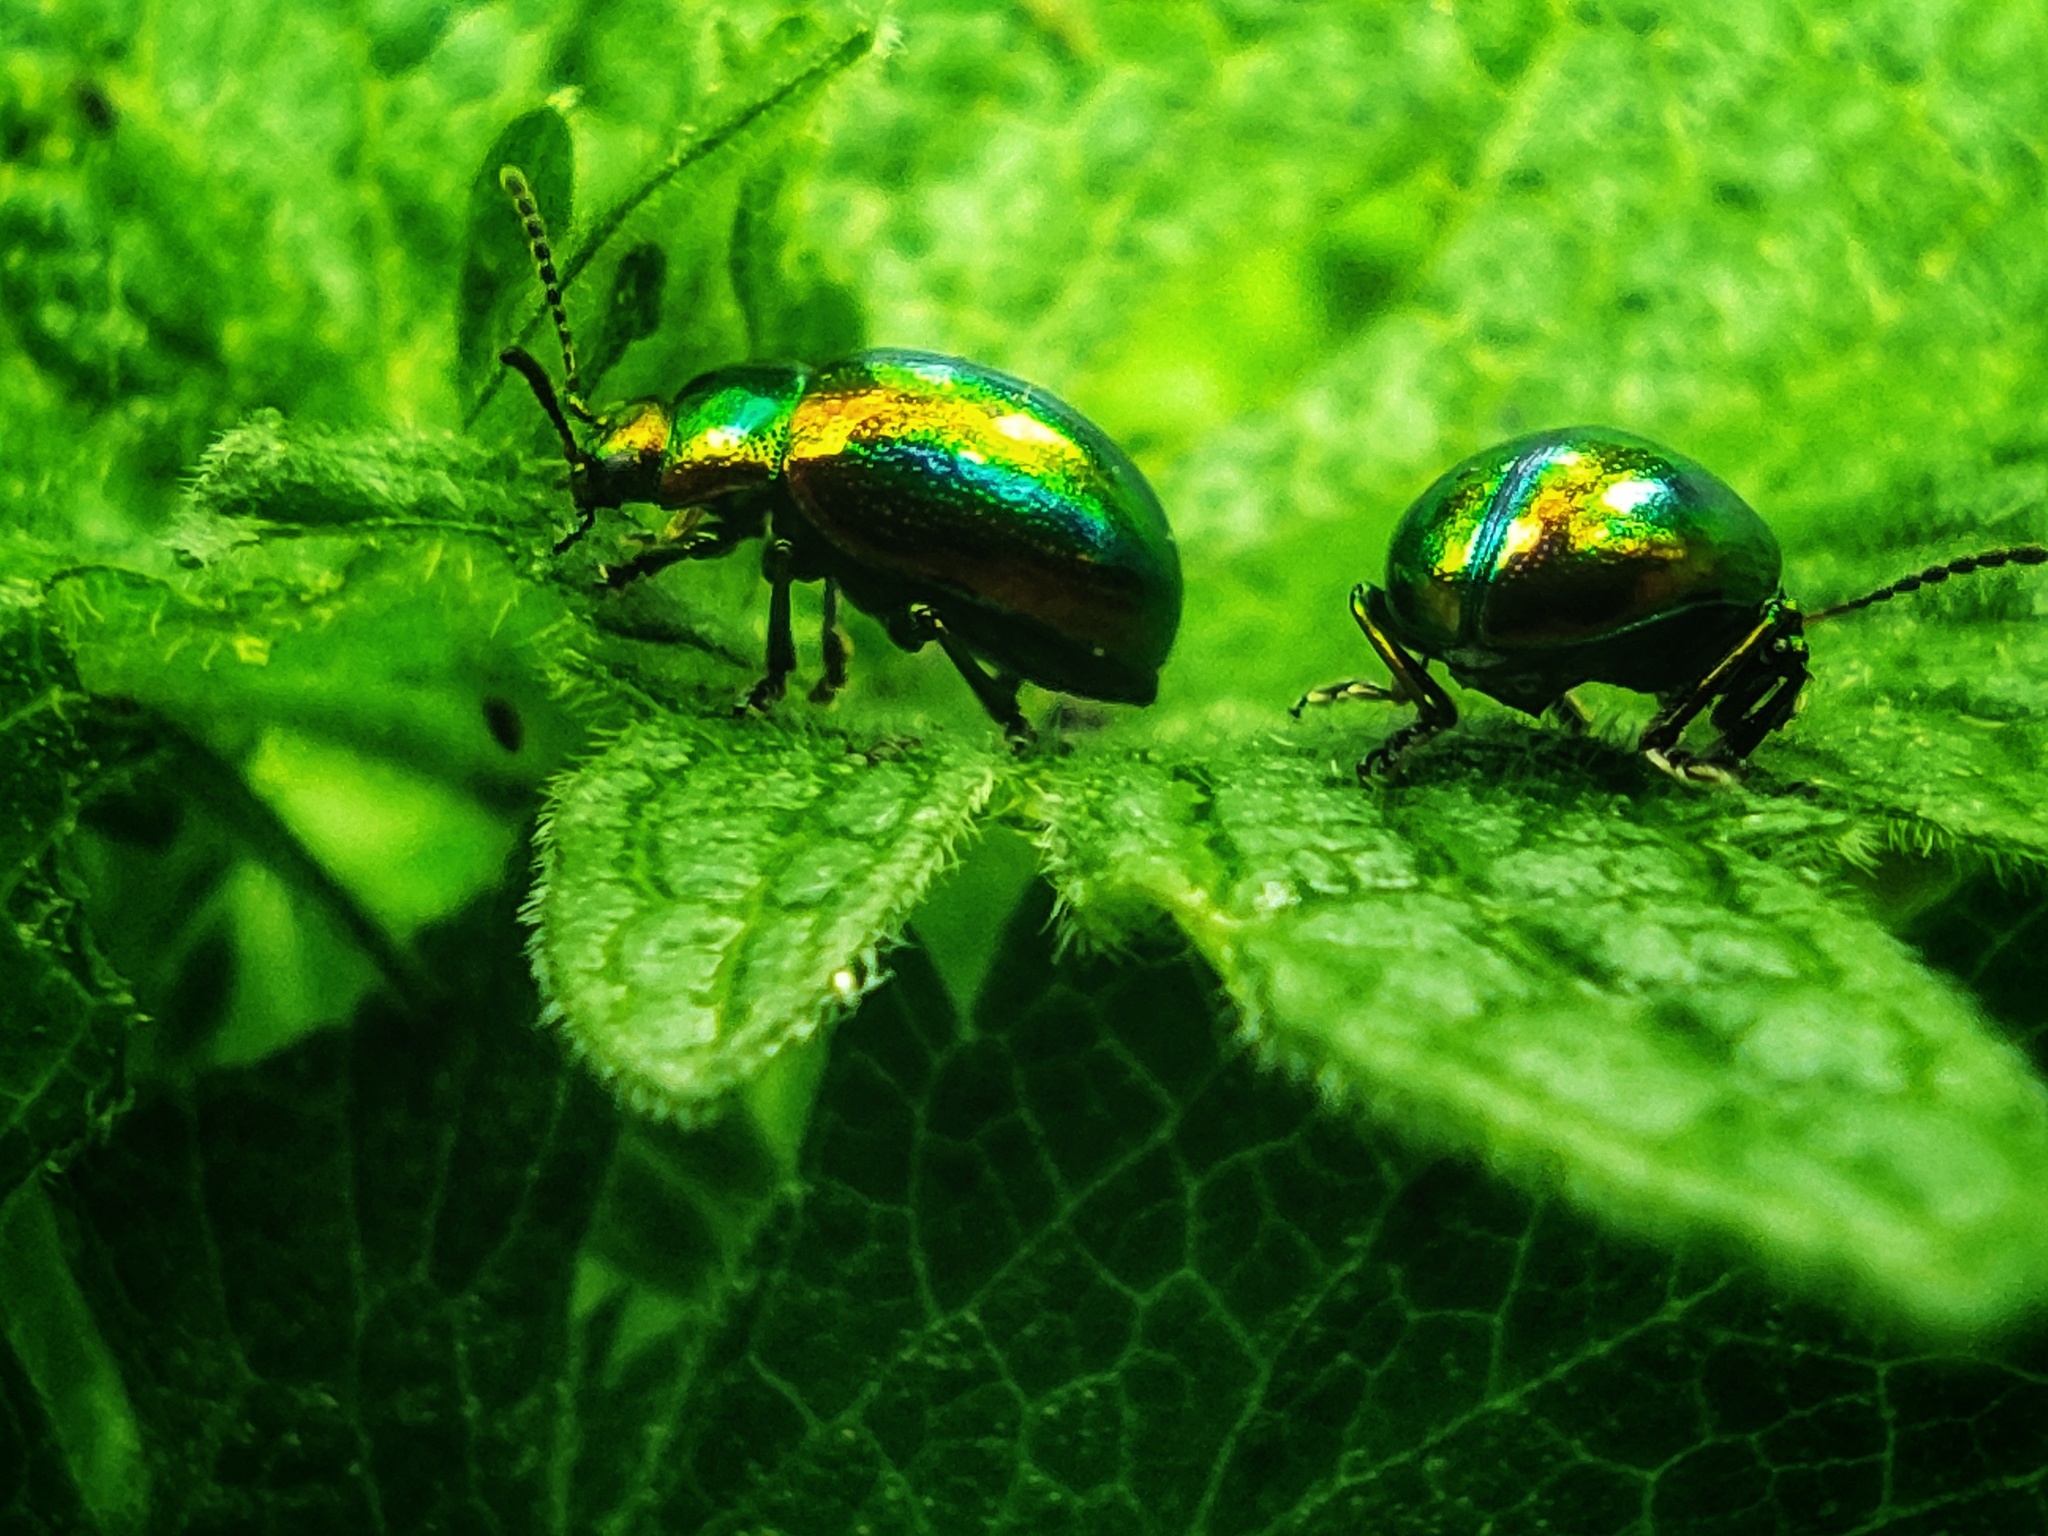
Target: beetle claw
1381, 762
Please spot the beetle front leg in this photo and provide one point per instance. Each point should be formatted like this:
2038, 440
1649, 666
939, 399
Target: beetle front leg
833, 649
781, 637
1434, 710
1757, 684
584, 524
714, 539
1764, 699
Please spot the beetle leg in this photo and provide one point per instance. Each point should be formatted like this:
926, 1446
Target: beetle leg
1757, 685
1764, 699
1434, 710
833, 647
1659, 741
583, 525
658, 557
998, 694
1350, 688
706, 543
916, 625
781, 638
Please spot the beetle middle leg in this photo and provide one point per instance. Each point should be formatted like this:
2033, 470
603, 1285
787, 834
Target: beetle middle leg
1434, 710
775, 562
833, 648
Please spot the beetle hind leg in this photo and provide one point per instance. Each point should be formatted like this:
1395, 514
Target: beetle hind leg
915, 626
997, 693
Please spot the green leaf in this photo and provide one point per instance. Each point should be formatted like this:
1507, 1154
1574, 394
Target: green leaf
1082, 1266
1655, 1002
42, 755
69, 1371
397, 648
37, 1494
302, 242
1296, 259
64, 1016
337, 1284
1932, 711
652, 252
65, 1019
431, 505
269, 476
712, 896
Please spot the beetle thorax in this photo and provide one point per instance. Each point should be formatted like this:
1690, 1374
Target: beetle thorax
624, 462
728, 431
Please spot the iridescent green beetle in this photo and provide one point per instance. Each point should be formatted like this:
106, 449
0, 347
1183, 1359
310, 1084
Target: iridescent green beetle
952, 502
1587, 555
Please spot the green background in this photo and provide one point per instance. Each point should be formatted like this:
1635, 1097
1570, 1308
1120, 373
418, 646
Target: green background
1153, 1134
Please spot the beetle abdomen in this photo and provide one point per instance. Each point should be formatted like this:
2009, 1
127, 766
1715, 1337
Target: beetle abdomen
1567, 537
967, 485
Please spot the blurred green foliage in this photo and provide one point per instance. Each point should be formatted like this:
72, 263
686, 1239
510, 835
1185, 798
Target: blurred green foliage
1529, 1145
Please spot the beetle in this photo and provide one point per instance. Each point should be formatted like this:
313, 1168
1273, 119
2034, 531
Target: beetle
1583, 555
953, 503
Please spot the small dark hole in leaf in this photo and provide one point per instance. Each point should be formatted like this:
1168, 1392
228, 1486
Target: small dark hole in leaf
1737, 195
1633, 302
504, 723
1355, 287
93, 106
139, 819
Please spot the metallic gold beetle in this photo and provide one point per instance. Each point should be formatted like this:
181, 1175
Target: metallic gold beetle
1587, 555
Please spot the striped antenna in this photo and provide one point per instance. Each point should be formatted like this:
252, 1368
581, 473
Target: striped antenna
1934, 575
513, 180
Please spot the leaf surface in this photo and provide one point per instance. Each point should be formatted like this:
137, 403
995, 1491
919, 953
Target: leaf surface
64, 1016
379, 1329
1082, 1266
711, 897
1657, 1002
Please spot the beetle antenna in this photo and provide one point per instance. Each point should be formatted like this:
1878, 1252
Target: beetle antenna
1934, 575
513, 180
528, 367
